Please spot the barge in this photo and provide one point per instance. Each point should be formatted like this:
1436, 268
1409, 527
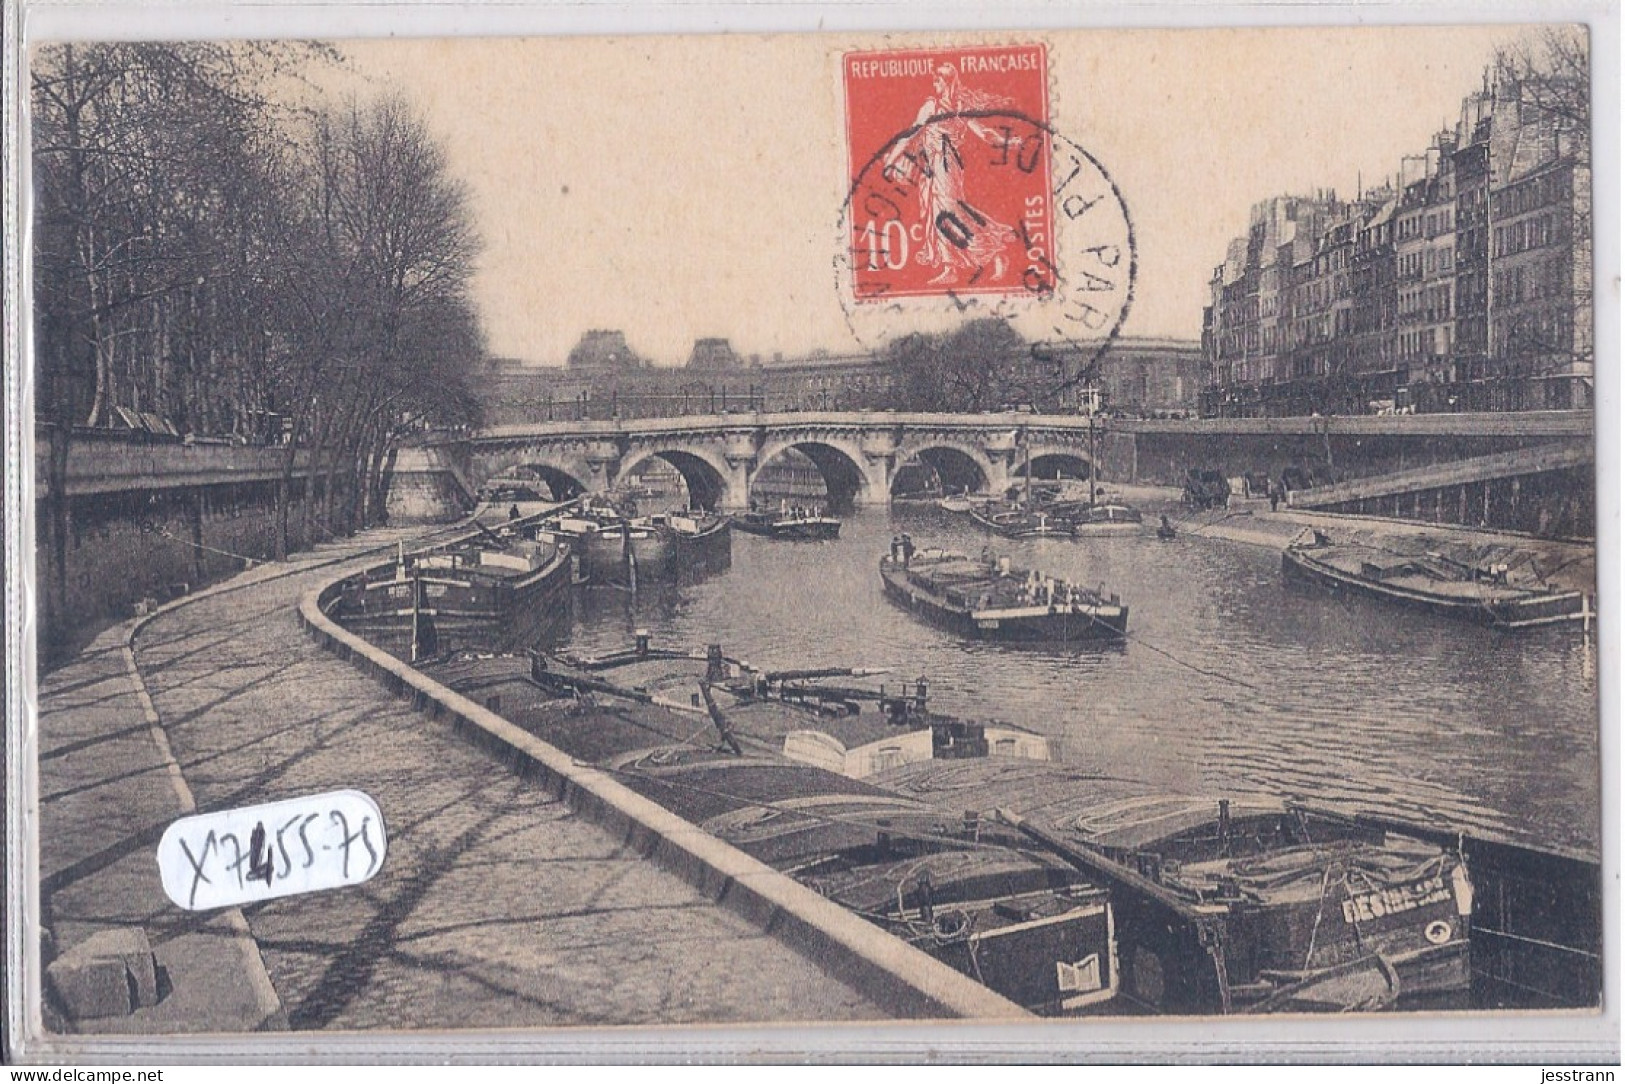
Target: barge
976, 895
991, 600
606, 545
700, 541
496, 589
1020, 522
616, 549
790, 524
1246, 904
1103, 520
1433, 583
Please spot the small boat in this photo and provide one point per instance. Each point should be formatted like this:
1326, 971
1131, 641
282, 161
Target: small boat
1099, 520
1021, 522
989, 599
689, 529
1433, 582
794, 524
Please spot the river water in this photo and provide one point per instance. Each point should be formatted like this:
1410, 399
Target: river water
1230, 682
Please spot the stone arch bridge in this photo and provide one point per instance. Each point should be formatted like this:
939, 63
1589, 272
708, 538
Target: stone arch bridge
1511, 470
859, 456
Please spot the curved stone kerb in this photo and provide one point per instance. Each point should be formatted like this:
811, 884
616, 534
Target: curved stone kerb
881, 966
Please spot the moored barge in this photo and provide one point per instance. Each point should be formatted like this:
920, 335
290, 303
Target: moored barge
989, 599
1247, 904
1433, 583
1103, 520
606, 544
497, 589
976, 895
1009, 521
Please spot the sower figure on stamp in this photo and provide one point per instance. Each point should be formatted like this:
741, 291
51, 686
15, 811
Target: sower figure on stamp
959, 239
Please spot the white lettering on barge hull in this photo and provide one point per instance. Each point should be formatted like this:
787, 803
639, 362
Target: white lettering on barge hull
1371, 906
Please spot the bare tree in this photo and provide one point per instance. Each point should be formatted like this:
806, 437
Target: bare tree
207, 255
387, 298
1548, 72
147, 192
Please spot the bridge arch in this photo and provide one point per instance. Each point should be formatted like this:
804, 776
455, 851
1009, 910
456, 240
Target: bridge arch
846, 482
704, 472
957, 469
1053, 463
564, 477
561, 484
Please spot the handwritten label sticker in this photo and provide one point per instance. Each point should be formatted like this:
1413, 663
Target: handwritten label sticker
262, 852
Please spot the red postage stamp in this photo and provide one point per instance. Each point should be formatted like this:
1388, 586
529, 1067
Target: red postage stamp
949, 156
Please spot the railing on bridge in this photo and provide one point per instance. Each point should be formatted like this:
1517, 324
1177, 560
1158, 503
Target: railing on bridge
1553, 424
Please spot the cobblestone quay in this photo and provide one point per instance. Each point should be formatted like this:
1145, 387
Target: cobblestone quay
497, 907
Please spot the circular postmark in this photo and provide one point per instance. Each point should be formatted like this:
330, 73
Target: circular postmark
987, 214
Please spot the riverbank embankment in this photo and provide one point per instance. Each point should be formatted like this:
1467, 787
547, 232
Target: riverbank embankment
500, 906
1566, 563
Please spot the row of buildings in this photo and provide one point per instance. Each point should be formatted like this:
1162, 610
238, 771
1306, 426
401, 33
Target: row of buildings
1463, 284
603, 377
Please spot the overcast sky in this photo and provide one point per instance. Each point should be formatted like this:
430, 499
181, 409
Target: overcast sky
684, 187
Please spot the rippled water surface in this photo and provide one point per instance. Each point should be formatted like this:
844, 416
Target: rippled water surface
1230, 682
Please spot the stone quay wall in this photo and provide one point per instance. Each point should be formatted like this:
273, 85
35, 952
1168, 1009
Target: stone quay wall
126, 552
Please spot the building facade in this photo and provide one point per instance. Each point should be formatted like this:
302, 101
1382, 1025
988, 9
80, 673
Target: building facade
1425, 247
1464, 284
1133, 377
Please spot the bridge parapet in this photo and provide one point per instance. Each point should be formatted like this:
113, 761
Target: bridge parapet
1553, 424
862, 452
1544, 424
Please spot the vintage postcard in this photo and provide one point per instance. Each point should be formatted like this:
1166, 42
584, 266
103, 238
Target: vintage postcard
1081, 531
